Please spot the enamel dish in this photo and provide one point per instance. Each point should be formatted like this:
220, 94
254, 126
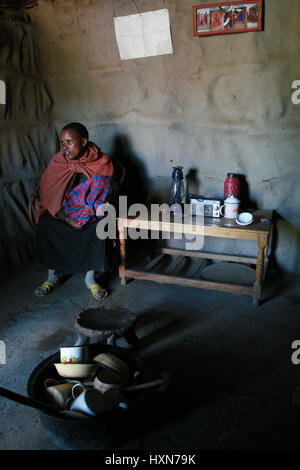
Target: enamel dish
244, 218
77, 371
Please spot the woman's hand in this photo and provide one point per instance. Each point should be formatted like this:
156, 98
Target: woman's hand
73, 223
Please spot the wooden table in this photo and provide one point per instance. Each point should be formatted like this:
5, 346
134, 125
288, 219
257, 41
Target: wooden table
258, 231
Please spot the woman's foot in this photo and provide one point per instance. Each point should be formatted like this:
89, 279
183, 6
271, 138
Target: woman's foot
48, 285
98, 292
44, 288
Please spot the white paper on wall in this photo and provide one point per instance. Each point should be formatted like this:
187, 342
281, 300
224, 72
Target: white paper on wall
144, 34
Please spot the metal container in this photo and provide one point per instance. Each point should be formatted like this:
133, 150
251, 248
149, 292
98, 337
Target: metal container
231, 186
99, 433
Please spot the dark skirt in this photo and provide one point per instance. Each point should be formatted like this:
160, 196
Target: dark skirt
69, 250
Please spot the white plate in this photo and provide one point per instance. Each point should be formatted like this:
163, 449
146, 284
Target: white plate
244, 218
244, 223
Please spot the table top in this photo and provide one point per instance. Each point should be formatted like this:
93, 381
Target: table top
213, 226
262, 222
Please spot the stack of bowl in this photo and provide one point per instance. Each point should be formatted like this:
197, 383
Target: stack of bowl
74, 363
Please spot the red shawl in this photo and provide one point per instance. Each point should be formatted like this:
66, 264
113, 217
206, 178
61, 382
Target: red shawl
57, 179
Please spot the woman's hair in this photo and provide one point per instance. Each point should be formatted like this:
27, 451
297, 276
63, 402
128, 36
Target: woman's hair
80, 129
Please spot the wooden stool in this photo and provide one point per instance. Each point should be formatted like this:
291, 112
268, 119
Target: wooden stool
105, 325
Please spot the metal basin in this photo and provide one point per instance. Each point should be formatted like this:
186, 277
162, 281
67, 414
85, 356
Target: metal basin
102, 432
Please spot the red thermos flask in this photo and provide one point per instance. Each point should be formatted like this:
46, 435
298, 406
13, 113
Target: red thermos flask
231, 186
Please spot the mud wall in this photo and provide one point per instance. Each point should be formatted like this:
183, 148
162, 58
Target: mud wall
26, 137
217, 104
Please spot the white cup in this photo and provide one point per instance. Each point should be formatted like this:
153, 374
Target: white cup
231, 208
92, 402
78, 392
74, 355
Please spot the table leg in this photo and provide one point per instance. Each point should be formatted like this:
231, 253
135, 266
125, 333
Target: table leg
122, 255
266, 261
260, 267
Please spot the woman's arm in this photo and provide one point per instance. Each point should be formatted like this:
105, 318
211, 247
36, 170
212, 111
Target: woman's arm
73, 223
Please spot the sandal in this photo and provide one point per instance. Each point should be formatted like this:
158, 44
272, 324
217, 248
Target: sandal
97, 291
44, 289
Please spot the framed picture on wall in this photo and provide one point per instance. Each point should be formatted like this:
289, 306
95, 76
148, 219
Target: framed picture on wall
227, 17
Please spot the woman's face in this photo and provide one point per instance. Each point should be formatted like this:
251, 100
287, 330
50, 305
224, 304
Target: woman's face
72, 145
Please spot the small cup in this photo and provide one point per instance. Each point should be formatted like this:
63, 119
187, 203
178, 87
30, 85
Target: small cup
74, 355
107, 379
58, 393
231, 208
92, 402
77, 386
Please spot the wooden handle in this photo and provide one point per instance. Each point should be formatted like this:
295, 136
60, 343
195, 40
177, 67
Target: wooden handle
47, 407
145, 385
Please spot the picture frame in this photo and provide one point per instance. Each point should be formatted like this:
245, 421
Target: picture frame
227, 17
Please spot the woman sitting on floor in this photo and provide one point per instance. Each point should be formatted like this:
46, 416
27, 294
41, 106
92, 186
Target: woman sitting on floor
73, 188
